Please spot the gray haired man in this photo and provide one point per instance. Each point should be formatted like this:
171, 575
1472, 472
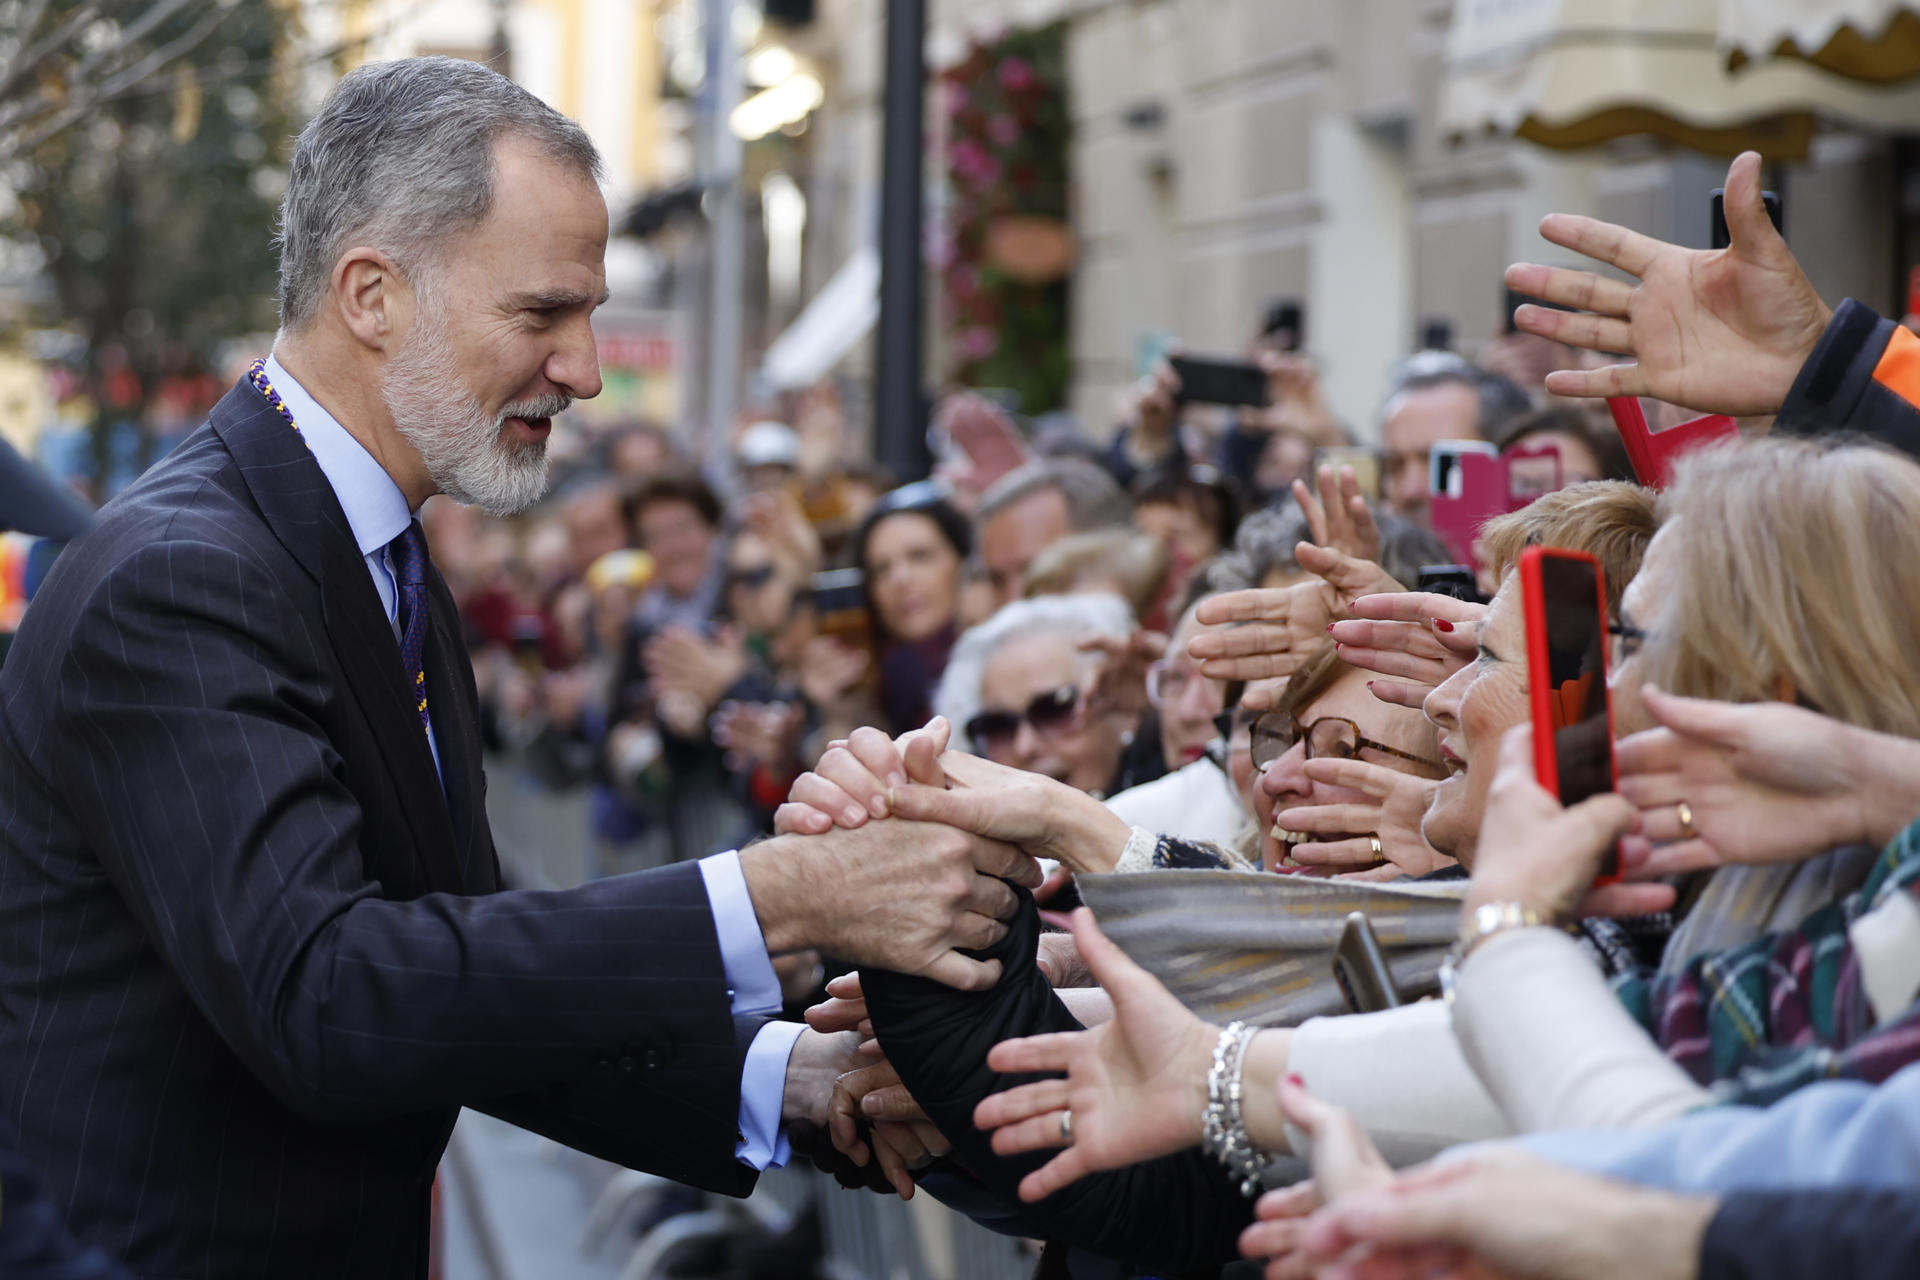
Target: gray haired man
254, 952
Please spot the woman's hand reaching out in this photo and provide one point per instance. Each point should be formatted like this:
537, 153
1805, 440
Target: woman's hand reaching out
1339, 517
1534, 852
1396, 803
1762, 782
1135, 1086
1418, 637
1345, 1163
849, 783
1264, 632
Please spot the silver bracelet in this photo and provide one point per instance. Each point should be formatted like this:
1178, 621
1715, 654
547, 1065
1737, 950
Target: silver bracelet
1223, 1125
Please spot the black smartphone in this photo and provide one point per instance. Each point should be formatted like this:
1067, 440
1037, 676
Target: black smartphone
1436, 334
1721, 236
840, 600
1360, 968
1564, 598
1454, 580
1516, 299
1285, 326
1208, 381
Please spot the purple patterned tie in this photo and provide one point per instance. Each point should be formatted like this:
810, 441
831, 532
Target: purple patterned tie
409, 555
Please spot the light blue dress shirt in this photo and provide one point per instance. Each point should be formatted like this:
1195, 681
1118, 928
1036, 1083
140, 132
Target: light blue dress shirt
377, 513
1837, 1133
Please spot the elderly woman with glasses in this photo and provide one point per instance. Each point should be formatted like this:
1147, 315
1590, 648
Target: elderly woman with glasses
1020, 690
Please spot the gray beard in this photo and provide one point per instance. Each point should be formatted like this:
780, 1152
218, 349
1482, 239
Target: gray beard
461, 444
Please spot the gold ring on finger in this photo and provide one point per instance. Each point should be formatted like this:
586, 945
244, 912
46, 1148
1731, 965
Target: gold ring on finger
1684, 812
1379, 850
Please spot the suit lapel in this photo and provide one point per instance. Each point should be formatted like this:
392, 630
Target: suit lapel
303, 513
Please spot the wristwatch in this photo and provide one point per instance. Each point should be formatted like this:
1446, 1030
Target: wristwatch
1487, 919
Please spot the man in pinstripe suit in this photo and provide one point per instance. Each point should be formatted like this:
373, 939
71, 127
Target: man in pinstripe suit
252, 953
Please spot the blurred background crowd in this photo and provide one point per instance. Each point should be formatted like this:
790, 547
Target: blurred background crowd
806, 502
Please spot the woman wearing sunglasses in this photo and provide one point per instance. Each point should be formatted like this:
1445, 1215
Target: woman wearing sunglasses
1019, 691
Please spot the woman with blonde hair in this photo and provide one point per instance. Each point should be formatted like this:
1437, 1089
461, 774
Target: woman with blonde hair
1756, 528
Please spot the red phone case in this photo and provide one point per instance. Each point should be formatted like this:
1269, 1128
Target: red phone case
1483, 495
1653, 453
1546, 762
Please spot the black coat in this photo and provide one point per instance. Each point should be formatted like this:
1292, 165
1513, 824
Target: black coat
1835, 1233
1178, 1215
252, 957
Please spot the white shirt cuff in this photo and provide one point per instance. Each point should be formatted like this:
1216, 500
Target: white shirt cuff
763, 1086
743, 948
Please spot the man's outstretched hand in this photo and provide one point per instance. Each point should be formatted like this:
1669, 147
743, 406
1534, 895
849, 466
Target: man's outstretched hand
890, 894
1719, 331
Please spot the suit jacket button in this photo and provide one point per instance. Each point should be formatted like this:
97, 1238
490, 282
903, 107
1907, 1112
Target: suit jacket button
627, 1064
653, 1059
603, 1067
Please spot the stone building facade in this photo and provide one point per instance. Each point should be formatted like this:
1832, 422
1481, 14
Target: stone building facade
1229, 152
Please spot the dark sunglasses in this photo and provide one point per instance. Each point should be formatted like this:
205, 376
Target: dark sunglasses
752, 576
1049, 712
1329, 738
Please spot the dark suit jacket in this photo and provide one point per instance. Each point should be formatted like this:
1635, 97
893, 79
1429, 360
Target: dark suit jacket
252, 958
33, 1243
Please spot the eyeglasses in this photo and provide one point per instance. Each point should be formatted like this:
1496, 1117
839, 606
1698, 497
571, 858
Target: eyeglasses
1230, 735
1167, 683
1331, 737
1049, 712
750, 576
1630, 638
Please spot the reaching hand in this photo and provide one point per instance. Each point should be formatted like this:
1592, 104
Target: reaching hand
1418, 637
1502, 1213
1296, 402
1721, 331
1152, 407
1339, 516
1763, 782
1264, 632
945, 892
871, 1103
1136, 1086
1397, 803
849, 784
1345, 1163
1534, 852
845, 1008
1121, 684
1029, 810
983, 433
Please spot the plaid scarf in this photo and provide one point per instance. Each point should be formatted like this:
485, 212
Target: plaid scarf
1758, 1021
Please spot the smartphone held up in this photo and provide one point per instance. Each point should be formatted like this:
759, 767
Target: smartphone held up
1565, 600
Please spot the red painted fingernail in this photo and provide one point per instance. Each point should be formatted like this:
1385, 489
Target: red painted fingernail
1441, 624
1329, 626
1296, 1082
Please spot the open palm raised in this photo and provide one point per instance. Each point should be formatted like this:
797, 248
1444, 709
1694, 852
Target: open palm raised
1135, 1086
1722, 331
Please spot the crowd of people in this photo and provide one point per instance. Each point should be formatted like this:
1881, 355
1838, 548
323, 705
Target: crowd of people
1195, 646
1702, 1070
865, 745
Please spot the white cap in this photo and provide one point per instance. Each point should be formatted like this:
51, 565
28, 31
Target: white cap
768, 444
